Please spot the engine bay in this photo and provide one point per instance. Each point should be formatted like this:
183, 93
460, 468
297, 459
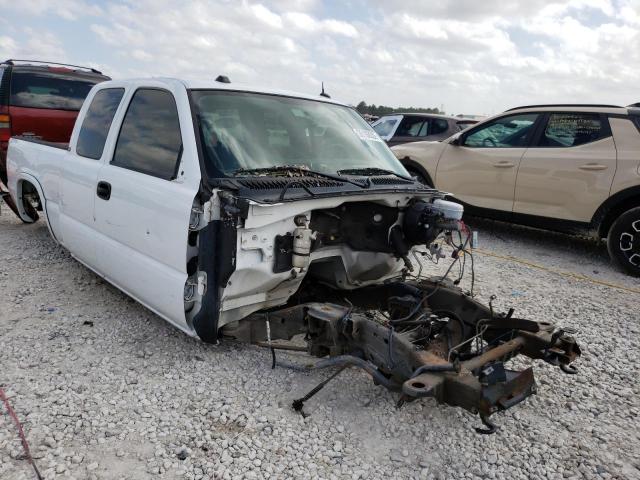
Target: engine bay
348, 276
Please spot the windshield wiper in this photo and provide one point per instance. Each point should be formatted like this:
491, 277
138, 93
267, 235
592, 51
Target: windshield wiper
301, 169
371, 171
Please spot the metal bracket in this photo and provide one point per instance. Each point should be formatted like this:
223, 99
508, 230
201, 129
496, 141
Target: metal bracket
202, 283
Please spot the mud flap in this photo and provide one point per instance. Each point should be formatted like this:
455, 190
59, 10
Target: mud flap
4, 195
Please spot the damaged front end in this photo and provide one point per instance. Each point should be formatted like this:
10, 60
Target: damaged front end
342, 272
423, 339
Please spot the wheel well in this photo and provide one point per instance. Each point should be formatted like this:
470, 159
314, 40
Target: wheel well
25, 187
413, 166
614, 211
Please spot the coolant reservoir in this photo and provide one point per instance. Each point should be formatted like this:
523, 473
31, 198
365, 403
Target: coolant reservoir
302, 237
450, 210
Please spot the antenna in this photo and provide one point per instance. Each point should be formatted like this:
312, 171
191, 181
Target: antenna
323, 93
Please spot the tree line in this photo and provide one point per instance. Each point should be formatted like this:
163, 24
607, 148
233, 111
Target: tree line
380, 110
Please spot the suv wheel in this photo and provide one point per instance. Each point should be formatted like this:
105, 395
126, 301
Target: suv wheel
418, 176
623, 241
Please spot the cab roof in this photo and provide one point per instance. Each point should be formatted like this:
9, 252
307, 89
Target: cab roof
216, 85
241, 87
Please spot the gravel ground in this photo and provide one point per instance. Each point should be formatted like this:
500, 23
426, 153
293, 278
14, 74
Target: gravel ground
107, 390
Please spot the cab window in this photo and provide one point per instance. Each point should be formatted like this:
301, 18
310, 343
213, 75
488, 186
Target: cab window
572, 129
150, 140
504, 132
97, 122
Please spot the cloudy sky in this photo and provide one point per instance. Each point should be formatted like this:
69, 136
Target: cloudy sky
472, 57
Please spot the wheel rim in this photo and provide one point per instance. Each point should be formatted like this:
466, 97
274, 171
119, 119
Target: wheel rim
630, 243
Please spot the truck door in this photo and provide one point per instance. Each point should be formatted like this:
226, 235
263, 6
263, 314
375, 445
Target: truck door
80, 172
568, 171
144, 200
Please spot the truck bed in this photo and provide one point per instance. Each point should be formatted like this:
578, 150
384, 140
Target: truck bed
40, 141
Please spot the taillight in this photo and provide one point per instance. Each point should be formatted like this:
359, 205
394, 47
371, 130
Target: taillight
5, 125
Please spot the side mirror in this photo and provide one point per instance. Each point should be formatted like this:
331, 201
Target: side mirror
458, 141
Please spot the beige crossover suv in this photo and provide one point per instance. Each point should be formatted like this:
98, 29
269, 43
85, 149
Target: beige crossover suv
571, 168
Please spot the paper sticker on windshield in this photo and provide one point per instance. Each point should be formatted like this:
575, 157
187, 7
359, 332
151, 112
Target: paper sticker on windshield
367, 135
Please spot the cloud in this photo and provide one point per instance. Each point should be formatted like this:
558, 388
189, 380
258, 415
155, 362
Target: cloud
473, 57
39, 44
67, 9
8, 47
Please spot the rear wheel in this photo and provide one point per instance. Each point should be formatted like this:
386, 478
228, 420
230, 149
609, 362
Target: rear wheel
30, 203
623, 241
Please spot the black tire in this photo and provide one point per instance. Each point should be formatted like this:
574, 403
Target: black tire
29, 198
421, 178
31, 211
623, 241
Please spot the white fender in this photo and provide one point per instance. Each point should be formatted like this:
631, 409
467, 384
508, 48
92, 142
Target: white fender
25, 177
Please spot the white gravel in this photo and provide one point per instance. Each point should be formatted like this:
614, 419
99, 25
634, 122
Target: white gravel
107, 390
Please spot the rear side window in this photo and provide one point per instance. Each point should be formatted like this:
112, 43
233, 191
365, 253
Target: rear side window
572, 129
438, 125
97, 122
50, 90
411, 127
150, 140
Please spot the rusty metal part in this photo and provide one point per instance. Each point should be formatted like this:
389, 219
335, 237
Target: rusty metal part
298, 404
442, 344
275, 346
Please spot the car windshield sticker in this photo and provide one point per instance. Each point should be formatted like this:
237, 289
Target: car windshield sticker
367, 135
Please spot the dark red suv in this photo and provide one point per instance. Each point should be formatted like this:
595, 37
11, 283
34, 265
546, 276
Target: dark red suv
41, 99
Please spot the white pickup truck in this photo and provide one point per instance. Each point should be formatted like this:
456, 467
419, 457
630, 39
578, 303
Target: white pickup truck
260, 215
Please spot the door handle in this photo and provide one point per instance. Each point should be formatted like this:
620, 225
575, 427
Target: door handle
592, 166
104, 190
504, 164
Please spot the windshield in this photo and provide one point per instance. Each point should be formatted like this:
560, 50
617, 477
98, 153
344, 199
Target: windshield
241, 130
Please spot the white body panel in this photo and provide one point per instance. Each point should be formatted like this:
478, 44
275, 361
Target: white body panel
254, 286
138, 238
41, 166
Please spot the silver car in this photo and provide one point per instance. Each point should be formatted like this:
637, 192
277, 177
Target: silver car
417, 127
